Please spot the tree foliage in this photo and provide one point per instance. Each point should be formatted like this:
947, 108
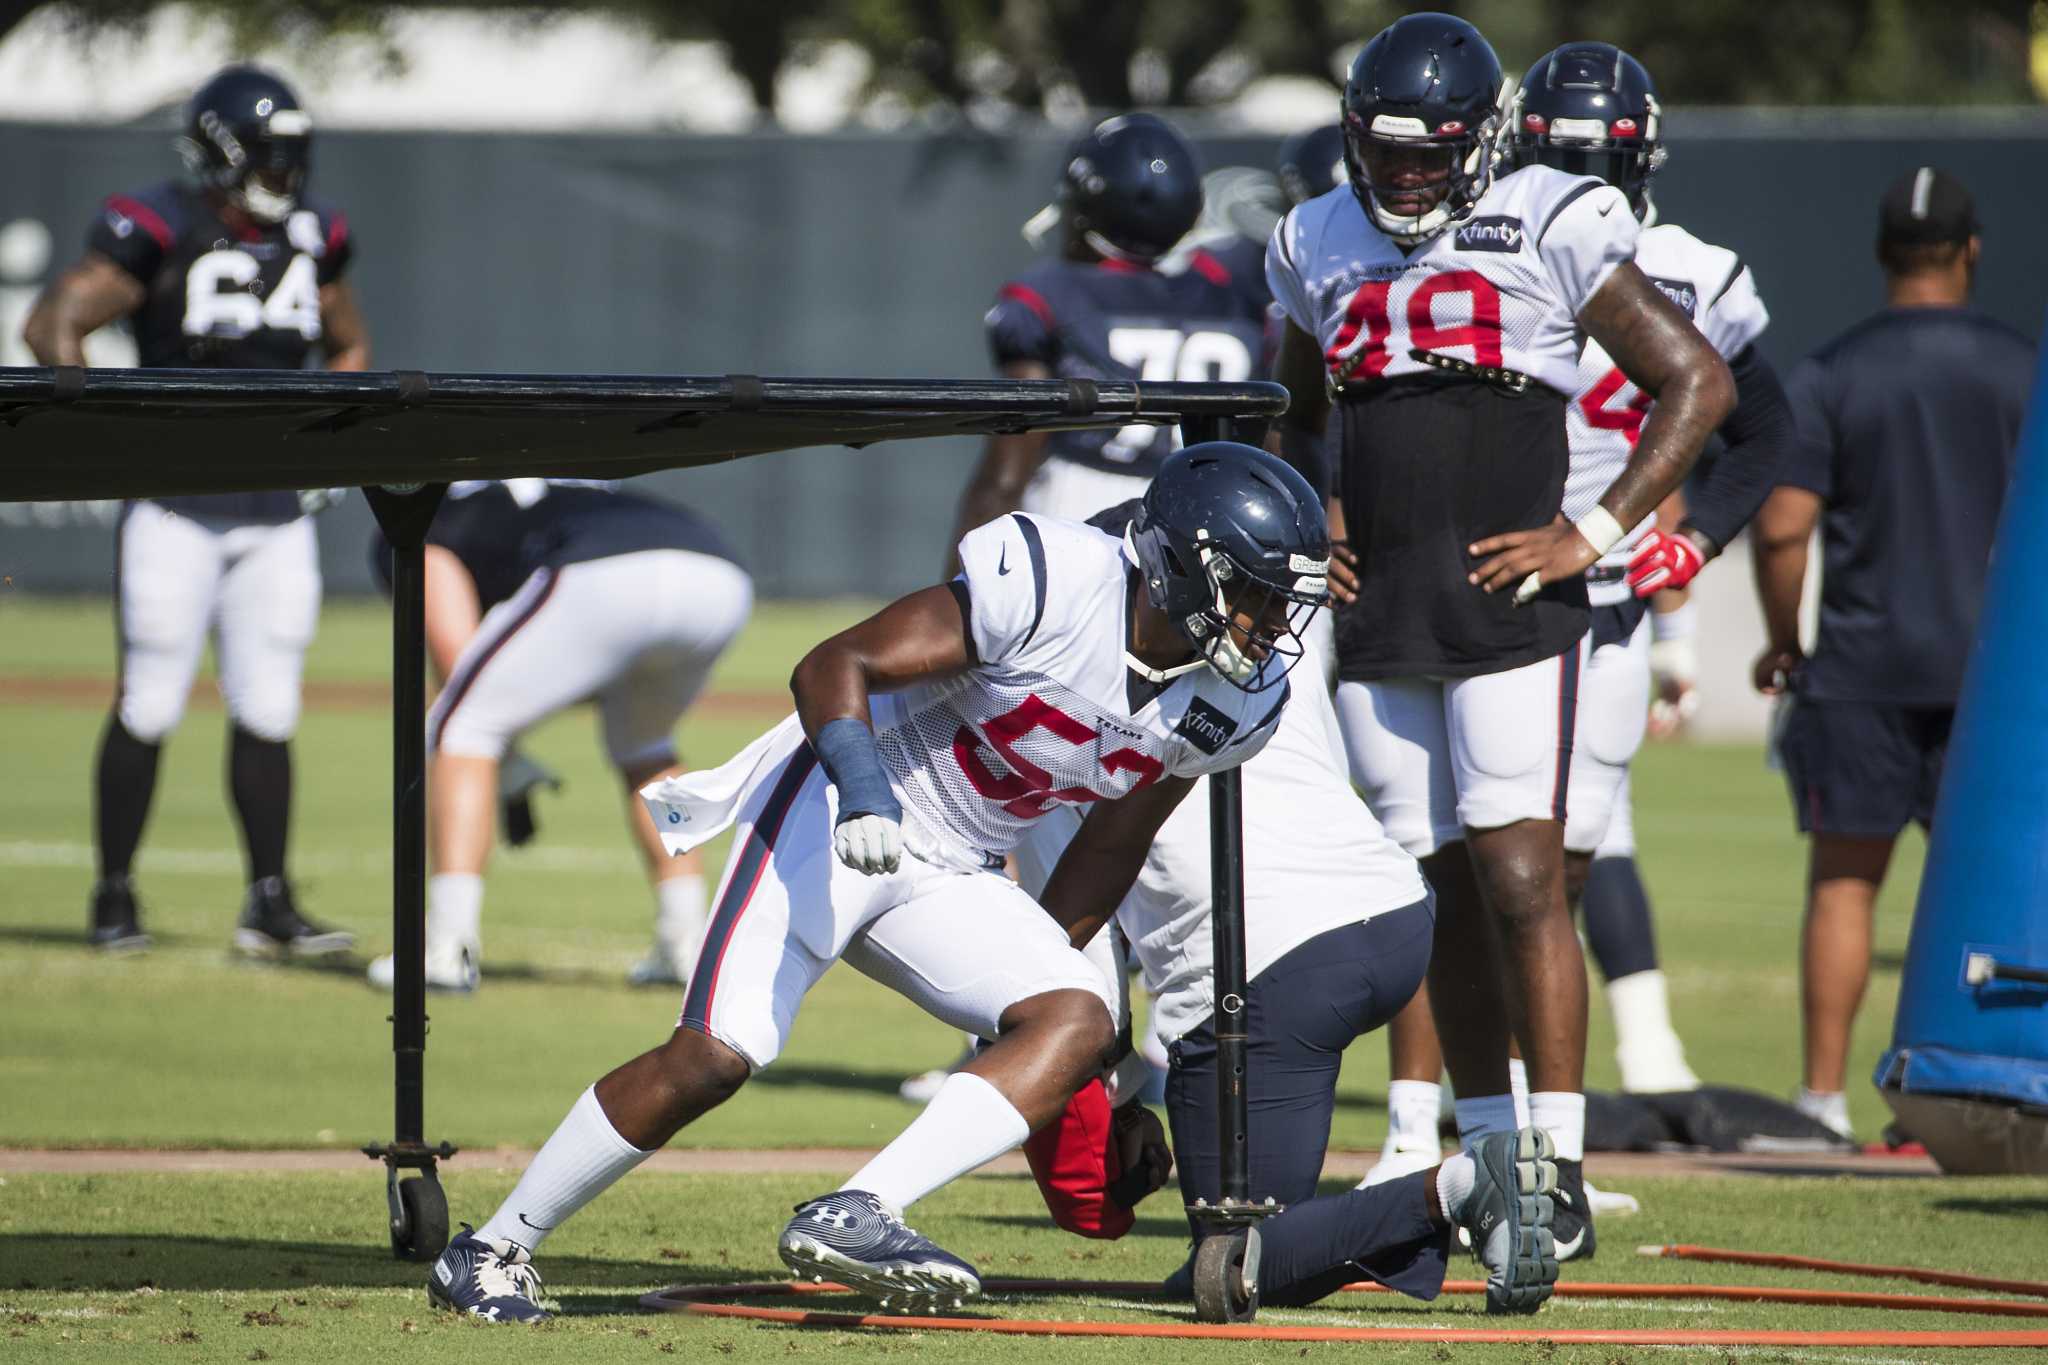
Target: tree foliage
1023, 55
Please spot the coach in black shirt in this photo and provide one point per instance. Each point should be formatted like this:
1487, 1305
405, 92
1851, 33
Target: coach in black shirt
1906, 428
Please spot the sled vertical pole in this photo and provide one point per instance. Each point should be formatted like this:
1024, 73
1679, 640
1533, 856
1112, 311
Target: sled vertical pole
418, 1209
1226, 923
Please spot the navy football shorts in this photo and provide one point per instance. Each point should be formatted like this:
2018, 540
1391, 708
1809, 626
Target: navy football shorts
1863, 769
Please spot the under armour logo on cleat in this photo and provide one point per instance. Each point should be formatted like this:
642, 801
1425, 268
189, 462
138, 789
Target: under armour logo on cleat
838, 1218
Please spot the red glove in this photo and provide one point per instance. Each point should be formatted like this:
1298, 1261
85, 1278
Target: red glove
1663, 561
1084, 1163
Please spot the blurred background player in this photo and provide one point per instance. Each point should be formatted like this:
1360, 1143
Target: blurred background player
1443, 308
1130, 189
541, 595
1591, 109
234, 268
1906, 427
1061, 666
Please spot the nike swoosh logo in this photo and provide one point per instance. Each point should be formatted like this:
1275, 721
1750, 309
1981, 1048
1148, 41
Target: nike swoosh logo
535, 1226
1606, 208
1003, 561
1567, 1250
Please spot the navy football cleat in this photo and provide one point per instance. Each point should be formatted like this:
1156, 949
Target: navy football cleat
476, 1278
852, 1237
1509, 1216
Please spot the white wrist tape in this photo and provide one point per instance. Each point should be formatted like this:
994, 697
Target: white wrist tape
1681, 624
1600, 530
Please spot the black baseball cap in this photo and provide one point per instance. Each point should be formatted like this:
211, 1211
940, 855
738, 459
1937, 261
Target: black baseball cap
1926, 205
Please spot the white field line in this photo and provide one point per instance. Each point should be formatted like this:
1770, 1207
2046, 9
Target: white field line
209, 862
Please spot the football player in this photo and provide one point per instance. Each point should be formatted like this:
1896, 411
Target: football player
1338, 929
1130, 190
541, 595
1589, 108
1442, 306
234, 268
1062, 665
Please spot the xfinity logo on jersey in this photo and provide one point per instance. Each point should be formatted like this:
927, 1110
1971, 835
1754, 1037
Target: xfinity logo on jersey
1205, 727
1679, 292
1490, 234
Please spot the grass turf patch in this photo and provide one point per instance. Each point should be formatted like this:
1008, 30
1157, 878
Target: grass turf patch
202, 1268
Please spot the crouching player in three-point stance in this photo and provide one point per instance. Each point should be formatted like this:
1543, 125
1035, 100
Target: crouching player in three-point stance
1061, 666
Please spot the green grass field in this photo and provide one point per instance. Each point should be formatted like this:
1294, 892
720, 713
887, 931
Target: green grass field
186, 1048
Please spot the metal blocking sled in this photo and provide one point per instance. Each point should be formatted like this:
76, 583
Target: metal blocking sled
403, 436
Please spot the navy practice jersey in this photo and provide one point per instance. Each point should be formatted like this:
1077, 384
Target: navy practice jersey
1906, 427
1110, 320
223, 297
502, 533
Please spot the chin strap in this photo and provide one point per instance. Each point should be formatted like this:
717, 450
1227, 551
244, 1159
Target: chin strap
1160, 676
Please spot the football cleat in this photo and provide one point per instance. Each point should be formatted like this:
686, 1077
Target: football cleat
1509, 1218
852, 1237
666, 964
495, 1281
116, 919
271, 926
451, 967
1571, 1228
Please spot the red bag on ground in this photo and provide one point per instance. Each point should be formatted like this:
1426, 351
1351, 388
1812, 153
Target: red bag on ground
1078, 1160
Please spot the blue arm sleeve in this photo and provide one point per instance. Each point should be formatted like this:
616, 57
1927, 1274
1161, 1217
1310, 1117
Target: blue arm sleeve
846, 748
1759, 440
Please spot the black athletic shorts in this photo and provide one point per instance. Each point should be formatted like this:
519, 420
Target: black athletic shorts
1861, 768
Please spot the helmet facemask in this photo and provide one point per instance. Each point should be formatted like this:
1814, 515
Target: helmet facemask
1625, 154
1248, 623
261, 170
1440, 174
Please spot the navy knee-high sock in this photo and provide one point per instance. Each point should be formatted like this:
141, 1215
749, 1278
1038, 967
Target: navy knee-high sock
124, 782
1617, 910
260, 782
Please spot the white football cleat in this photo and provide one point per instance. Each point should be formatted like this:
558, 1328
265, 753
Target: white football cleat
1654, 1065
666, 964
1605, 1202
451, 967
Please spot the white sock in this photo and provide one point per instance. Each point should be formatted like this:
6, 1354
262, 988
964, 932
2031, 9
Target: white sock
1518, 1086
1483, 1114
1641, 1005
585, 1157
455, 907
680, 917
966, 1124
1412, 1109
1828, 1106
1454, 1185
1562, 1114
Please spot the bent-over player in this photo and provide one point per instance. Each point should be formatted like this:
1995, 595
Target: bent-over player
540, 596
1060, 666
1443, 308
237, 269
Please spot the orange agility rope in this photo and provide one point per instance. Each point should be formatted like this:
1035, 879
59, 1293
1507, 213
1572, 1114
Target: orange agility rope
1955, 1279
701, 1299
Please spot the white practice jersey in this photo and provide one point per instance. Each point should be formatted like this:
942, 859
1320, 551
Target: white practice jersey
1315, 859
1501, 289
1710, 285
1045, 718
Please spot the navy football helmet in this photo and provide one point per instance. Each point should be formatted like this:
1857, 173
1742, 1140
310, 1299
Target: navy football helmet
1130, 189
246, 136
1591, 109
1312, 162
1227, 534
1421, 117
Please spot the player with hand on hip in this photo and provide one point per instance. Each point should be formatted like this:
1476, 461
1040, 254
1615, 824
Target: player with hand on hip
1061, 666
1443, 306
541, 595
1589, 108
237, 269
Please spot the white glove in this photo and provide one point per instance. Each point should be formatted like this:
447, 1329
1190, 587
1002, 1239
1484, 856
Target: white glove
869, 843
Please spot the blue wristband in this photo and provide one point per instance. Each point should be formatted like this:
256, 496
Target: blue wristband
847, 749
